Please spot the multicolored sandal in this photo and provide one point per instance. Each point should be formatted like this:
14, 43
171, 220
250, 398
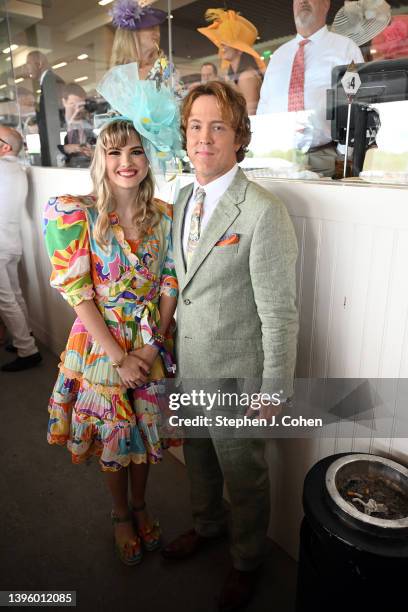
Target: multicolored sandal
130, 553
150, 534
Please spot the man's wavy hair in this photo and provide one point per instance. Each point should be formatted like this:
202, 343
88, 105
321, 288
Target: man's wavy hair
233, 109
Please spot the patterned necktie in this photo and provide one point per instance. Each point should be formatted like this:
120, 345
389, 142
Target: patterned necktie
296, 100
195, 223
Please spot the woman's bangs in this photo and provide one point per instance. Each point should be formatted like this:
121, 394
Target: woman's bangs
117, 134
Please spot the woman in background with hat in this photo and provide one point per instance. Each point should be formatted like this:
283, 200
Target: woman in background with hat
234, 36
362, 20
137, 39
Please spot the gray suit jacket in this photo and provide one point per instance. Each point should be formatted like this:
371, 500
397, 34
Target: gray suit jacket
236, 314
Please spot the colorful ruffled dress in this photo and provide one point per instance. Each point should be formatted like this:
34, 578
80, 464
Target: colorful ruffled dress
90, 409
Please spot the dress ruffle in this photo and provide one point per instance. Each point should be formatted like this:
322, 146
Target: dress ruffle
118, 426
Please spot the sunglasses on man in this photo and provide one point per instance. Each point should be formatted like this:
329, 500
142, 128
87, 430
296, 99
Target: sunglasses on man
5, 141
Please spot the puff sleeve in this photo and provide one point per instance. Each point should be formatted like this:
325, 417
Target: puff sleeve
67, 243
168, 278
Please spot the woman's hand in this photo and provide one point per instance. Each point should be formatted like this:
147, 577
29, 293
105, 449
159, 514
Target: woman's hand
134, 370
147, 353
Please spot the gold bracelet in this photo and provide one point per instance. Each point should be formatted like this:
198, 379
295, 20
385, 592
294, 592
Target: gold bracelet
119, 364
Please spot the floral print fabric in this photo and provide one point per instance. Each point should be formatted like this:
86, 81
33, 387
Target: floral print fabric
91, 411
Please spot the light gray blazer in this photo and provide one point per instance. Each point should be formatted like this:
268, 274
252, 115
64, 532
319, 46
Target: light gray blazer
236, 314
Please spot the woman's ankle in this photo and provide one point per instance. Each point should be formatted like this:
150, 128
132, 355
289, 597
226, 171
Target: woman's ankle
121, 512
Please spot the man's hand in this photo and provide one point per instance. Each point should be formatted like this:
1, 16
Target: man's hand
147, 353
78, 148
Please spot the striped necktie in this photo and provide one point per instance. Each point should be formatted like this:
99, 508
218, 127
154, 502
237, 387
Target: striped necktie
195, 223
296, 100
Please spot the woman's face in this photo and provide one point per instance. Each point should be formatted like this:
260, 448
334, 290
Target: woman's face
127, 166
149, 38
229, 53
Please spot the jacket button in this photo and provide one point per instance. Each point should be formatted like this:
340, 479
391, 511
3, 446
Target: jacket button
187, 302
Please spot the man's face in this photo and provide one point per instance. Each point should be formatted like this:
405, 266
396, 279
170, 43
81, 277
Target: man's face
4, 147
33, 68
211, 142
207, 73
310, 14
73, 106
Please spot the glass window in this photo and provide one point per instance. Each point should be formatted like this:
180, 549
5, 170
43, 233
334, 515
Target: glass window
60, 51
8, 105
55, 53
289, 66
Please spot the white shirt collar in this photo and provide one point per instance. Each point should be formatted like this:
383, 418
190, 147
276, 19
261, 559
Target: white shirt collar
216, 189
43, 75
316, 37
10, 158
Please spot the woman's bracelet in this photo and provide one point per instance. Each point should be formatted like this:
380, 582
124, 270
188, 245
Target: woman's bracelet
119, 364
158, 340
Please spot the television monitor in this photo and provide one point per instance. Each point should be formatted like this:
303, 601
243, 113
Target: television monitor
382, 81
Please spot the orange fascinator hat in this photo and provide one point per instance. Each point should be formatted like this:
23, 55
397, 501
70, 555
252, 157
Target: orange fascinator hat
231, 29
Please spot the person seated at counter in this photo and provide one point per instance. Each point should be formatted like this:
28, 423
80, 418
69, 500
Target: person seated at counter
235, 36
299, 73
137, 39
209, 72
80, 138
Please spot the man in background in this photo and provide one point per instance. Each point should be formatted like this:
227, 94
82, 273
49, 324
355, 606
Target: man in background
209, 72
49, 122
80, 137
299, 73
13, 309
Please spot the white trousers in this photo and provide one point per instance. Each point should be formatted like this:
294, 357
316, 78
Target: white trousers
13, 309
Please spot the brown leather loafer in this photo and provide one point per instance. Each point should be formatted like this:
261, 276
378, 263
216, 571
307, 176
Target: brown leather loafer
186, 545
238, 590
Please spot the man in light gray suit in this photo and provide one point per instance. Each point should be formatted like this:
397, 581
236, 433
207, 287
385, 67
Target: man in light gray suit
235, 251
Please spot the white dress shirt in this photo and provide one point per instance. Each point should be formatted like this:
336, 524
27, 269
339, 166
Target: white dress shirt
213, 193
324, 51
42, 77
13, 194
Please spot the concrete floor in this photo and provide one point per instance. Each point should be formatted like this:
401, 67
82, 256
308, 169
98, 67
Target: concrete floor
55, 531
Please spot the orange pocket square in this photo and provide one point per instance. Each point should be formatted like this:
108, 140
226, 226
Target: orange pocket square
232, 239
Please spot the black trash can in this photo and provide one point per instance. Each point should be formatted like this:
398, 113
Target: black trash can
343, 567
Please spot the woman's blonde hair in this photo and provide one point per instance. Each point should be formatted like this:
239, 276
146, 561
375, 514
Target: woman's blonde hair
115, 135
127, 49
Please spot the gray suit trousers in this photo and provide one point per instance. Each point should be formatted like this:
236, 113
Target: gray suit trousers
210, 463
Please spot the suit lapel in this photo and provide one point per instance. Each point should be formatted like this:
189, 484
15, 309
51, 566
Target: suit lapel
224, 215
179, 212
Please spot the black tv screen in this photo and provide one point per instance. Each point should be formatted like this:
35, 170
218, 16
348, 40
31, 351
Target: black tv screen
382, 81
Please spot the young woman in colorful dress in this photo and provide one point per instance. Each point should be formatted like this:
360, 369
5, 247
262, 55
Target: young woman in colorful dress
111, 256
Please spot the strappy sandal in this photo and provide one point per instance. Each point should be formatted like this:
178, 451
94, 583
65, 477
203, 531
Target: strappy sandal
150, 534
130, 553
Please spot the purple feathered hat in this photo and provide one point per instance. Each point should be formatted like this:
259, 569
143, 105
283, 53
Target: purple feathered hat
130, 15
